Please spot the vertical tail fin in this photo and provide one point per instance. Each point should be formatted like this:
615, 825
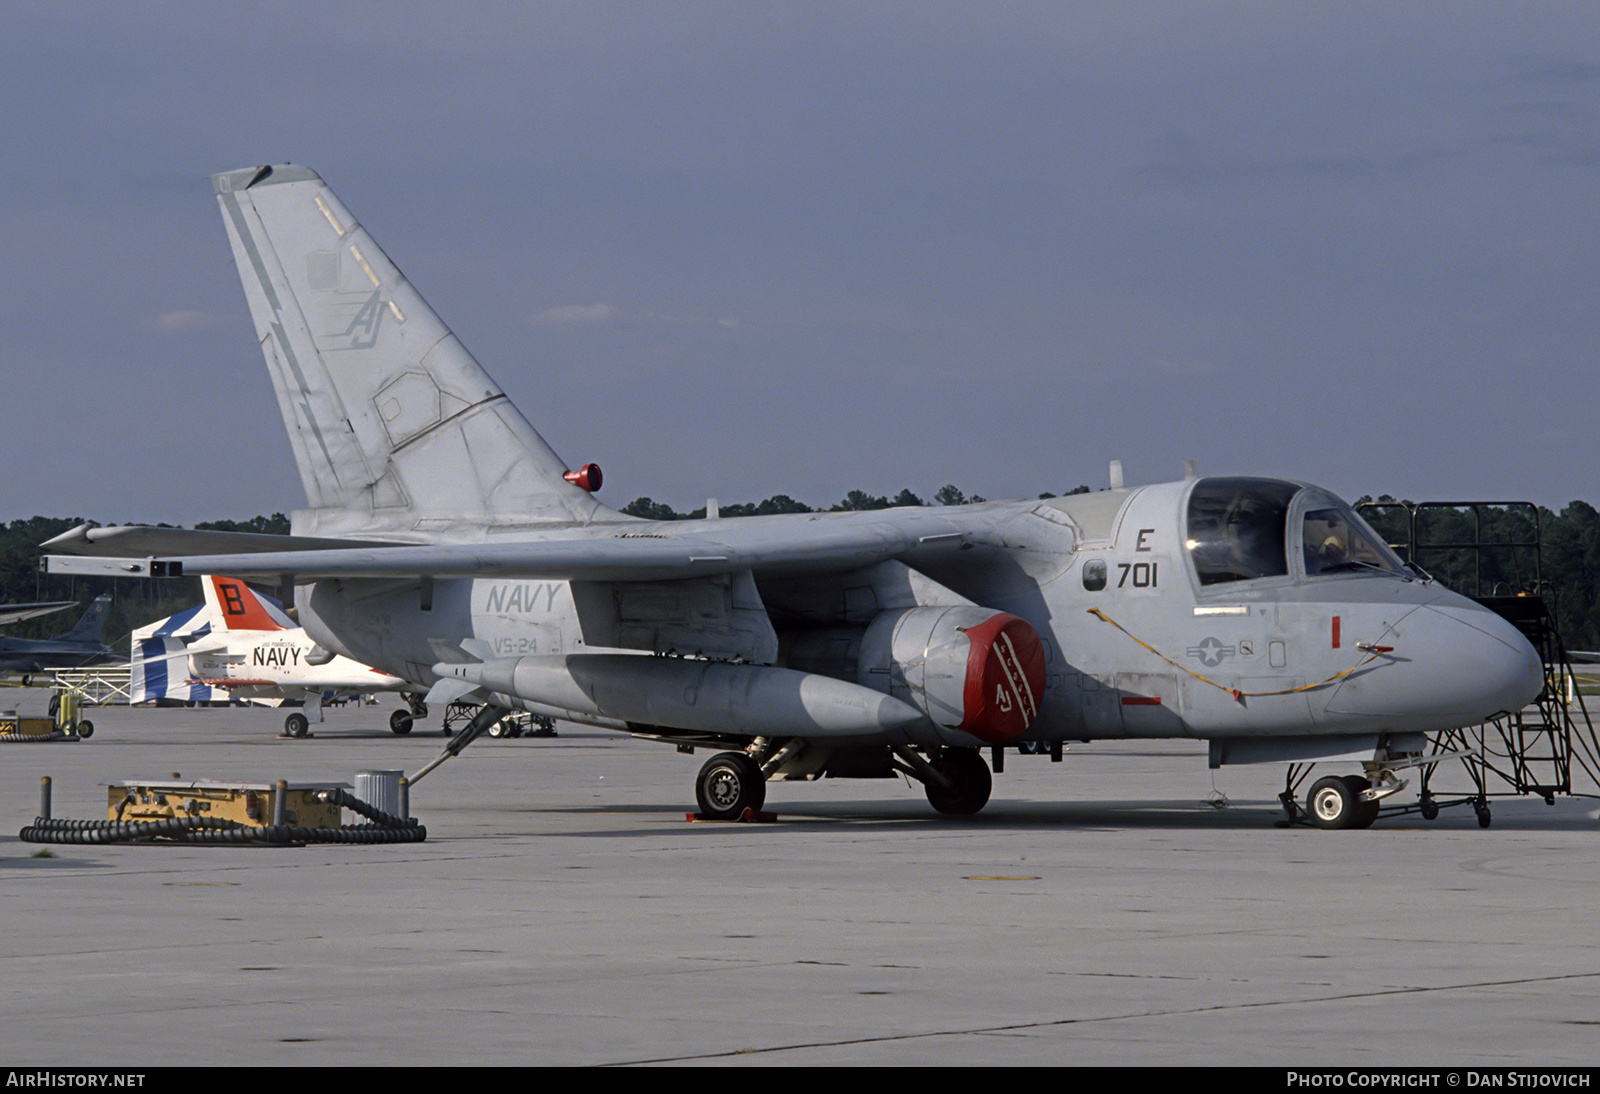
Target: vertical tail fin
394, 426
239, 609
93, 622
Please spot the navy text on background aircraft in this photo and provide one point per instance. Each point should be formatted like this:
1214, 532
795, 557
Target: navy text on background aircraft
1259, 615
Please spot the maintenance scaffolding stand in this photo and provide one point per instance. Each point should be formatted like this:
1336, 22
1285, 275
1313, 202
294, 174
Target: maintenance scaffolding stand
1491, 551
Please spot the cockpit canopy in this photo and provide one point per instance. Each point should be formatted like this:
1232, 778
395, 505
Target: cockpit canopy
1245, 529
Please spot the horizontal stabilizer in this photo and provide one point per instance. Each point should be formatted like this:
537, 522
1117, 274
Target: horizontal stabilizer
16, 613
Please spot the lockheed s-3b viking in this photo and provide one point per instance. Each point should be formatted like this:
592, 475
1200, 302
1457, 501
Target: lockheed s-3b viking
446, 543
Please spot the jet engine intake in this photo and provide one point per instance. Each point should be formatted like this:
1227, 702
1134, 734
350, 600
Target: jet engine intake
968, 668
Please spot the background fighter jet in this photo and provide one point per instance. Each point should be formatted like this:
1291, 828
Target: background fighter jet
74, 649
844, 644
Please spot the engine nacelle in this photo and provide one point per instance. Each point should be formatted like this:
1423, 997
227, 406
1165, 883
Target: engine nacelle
967, 668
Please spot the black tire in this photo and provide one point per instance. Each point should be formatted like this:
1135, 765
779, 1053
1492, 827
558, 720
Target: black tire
400, 722
500, 729
86, 729
1366, 811
971, 783
1332, 803
297, 725
728, 784
1429, 809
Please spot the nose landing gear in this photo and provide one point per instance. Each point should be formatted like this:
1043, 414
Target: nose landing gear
1336, 802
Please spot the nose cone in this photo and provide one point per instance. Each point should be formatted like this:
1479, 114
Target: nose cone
1453, 664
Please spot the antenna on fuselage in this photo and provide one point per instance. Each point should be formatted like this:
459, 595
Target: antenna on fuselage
1191, 469
1116, 474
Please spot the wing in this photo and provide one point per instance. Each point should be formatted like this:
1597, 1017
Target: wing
773, 546
142, 541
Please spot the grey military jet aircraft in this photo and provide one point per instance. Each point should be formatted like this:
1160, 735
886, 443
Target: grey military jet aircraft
74, 649
1259, 615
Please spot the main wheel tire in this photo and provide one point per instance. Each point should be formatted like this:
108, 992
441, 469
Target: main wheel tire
971, 783
728, 784
400, 722
297, 725
1333, 803
500, 729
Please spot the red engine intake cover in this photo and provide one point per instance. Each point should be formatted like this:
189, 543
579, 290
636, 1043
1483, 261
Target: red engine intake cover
1005, 678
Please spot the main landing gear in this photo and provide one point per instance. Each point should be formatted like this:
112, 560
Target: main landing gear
957, 780
401, 721
728, 784
962, 783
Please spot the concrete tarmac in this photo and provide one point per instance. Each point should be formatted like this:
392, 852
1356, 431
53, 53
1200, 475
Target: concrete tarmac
1126, 906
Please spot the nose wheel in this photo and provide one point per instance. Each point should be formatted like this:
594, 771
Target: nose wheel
1335, 802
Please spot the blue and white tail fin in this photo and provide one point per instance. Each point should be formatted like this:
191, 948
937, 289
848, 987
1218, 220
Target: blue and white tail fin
395, 428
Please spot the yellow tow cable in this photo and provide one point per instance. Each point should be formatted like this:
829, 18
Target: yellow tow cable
1240, 696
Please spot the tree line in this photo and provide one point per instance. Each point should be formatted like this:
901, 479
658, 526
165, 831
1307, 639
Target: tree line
854, 501
1486, 552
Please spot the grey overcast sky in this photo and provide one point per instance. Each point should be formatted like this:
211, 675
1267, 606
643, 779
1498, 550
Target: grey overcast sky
737, 249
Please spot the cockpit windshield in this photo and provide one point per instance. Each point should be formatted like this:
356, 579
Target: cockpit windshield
1236, 529
1244, 529
1335, 540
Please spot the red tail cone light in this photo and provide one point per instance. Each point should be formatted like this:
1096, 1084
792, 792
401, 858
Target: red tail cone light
586, 477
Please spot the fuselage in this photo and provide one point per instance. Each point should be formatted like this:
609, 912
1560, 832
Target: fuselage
1212, 608
19, 655
278, 663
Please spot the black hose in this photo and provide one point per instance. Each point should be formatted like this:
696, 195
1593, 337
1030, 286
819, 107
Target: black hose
387, 829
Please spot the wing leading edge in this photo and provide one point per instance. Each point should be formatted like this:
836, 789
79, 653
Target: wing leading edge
620, 553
